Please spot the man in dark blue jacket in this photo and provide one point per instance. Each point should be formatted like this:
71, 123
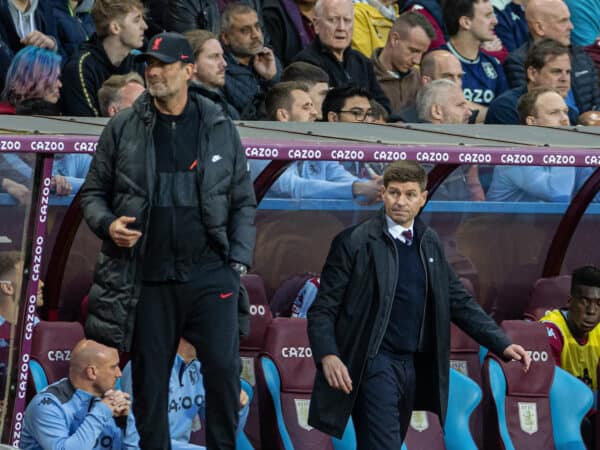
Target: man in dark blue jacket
331, 50
551, 19
380, 326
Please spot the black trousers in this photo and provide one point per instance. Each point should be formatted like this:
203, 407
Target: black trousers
384, 404
203, 311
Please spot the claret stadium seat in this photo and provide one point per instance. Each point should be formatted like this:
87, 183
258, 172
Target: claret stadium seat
285, 375
547, 294
260, 317
525, 406
51, 351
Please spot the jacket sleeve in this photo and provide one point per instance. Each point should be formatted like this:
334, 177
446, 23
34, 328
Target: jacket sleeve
80, 90
551, 184
514, 69
291, 184
472, 319
323, 314
97, 188
504, 30
51, 430
275, 26
241, 231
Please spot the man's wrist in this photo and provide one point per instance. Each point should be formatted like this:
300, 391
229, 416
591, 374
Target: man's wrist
239, 268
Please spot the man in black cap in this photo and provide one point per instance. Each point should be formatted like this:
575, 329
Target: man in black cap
169, 193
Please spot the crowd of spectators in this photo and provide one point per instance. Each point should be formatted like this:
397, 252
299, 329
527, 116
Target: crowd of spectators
78, 58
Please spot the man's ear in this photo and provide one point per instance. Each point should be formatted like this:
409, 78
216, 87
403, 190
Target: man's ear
464, 23
114, 27
224, 39
282, 115
530, 120
332, 117
531, 74
425, 79
90, 372
7, 289
436, 112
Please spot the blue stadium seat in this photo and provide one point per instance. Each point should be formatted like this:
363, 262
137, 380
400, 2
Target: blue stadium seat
463, 397
242, 442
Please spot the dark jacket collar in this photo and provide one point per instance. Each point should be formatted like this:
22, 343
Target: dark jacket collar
321, 48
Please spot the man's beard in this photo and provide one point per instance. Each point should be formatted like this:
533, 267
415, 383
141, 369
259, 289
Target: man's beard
242, 52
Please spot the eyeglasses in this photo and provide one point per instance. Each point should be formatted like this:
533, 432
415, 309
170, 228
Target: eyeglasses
360, 115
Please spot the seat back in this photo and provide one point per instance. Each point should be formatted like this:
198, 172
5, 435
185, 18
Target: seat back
464, 396
464, 358
285, 377
547, 294
520, 413
260, 317
425, 432
51, 348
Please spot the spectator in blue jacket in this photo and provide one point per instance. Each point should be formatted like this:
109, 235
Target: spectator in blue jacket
74, 23
252, 68
512, 26
543, 107
585, 15
551, 19
83, 411
548, 64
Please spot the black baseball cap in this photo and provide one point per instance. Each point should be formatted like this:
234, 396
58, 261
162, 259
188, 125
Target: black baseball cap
168, 48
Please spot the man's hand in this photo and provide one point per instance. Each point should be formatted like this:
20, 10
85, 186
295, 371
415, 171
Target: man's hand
19, 191
60, 185
518, 353
264, 63
492, 46
39, 39
368, 191
243, 398
118, 402
336, 373
121, 235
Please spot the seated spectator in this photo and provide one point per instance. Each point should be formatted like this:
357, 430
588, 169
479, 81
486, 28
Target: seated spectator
551, 19
186, 15
16, 172
574, 335
432, 11
435, 65
331, 50
83, 411
209, 69
33, 82
380, 114
120, 29
289, 24
512, 25
396, 63
252, 68
548, 64
586, 20
348, 104
442, 101
119, 92
373, 20
543, 107
74, 23
27, 22
589, 119
314, 77
186, 397
290, 101
470, 23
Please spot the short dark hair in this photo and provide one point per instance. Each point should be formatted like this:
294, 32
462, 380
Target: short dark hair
8, 261
527, 102
336, 98
280, 96
233, 9
539, 52
454, 10
104, 11
405, 172
585, 276
409, 20
304, 72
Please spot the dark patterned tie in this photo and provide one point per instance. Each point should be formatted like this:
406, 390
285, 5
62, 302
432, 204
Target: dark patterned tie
408, 237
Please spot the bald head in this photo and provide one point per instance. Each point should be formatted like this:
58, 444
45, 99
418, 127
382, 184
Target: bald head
549, 19
94, 367
441, 65
589, 119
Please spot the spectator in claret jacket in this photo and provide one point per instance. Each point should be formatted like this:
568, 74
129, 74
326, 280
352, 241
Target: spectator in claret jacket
252, 68
331, 51
120, 29
289, 24
551, 19
74, 22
